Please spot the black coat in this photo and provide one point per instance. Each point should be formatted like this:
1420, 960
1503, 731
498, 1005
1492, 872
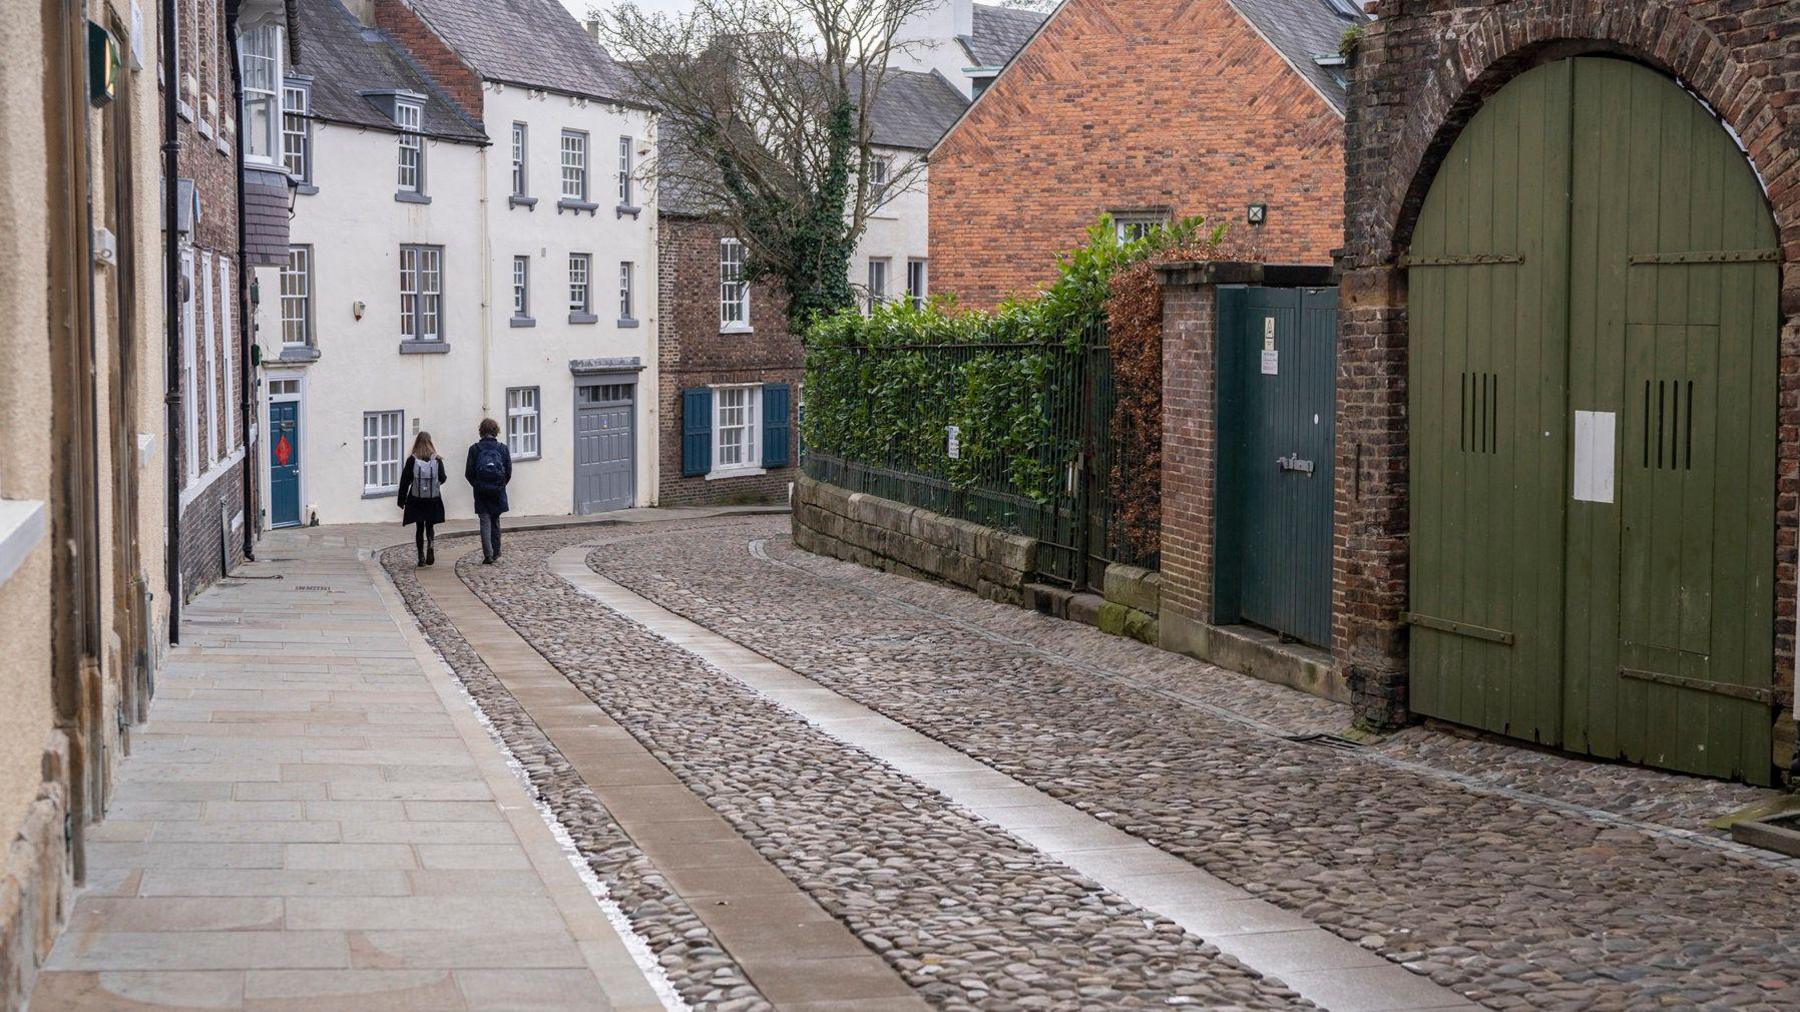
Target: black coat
421, 510
489, 498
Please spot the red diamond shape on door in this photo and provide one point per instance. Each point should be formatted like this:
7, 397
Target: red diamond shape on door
284, 451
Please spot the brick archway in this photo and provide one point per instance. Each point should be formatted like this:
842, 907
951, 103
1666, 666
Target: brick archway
1422, 73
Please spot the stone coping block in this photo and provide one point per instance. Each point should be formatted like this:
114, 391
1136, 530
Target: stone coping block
1134, 587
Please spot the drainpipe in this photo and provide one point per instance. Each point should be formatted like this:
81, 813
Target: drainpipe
172, 278
243, 288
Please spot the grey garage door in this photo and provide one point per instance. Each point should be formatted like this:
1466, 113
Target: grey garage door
605, 471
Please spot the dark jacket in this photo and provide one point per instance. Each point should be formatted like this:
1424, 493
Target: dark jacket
489, 498
420, 510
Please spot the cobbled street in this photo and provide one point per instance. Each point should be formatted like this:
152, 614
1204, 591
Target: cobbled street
1497, 875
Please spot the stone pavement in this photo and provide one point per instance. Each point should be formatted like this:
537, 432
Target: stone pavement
314, 817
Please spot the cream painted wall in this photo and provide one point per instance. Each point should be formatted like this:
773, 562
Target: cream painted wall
540, 355
26, 716
898, 230
356, 229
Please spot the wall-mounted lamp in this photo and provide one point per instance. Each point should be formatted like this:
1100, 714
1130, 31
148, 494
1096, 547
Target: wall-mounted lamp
357, 308
1259, 213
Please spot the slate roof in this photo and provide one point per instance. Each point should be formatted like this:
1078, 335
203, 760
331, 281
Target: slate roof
1301, 30
999, 32
346, 59
535, 43
913, 109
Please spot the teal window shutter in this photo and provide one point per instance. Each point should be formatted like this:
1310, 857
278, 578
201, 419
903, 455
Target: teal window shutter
775, 425
696, 431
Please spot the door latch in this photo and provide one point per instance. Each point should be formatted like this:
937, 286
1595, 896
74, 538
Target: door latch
1292, 462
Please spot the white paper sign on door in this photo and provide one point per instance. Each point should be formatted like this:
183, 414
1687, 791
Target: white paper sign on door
1594, 432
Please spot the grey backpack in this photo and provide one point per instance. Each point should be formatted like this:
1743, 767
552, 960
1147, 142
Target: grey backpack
425, 483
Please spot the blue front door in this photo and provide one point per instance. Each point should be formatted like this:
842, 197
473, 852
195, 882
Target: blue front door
284, 464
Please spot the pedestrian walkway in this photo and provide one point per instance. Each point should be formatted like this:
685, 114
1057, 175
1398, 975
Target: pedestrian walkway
314, 816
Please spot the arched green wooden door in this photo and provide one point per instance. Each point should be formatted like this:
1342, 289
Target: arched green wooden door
1594, 296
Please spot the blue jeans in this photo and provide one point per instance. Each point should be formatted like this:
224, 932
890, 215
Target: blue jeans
490, 535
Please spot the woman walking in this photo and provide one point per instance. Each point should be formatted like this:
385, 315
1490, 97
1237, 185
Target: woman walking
488, 470
422, 495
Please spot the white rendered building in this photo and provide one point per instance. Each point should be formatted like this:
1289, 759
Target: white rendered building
470, 240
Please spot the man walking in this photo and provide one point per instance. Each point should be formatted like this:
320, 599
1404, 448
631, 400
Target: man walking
488, 470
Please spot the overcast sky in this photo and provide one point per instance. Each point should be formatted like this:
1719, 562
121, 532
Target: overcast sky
580, 7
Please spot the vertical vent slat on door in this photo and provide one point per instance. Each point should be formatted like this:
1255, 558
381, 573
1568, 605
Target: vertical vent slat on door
1669, 425
1480, 413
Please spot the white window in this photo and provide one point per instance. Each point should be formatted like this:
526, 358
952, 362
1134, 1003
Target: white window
624, 172
735, 415
412, 147
734, 293
625, 285
878, 280
259, 51
227, 299
521, 287
421, 293
880, 168
190, 365
522, 422
1133, 226
574, 165
296, 297
579, 264
518, 159
916, 282
381, 450
296, 131
209, 335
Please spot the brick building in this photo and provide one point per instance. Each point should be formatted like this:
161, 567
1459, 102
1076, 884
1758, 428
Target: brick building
1149, 111
1434, 81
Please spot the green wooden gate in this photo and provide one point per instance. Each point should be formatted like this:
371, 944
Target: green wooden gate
1592, 376
1277, 382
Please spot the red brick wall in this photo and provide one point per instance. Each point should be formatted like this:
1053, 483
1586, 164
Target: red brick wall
1189, 460
692, 353
433, 55
1174, 104
1420, 75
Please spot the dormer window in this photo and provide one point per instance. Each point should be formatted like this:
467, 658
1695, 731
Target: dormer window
1347, 9
408, 116
1336, 66
259, 51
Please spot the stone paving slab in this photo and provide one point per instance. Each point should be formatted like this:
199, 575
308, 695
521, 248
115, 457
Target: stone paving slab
1148, 877
313, 818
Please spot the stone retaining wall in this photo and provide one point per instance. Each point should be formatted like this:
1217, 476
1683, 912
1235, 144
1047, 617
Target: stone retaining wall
37, 886
884, 534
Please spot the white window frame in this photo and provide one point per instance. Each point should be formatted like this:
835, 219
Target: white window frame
259, 60
751, 427
409, 117
381, 451
521, 286
296, 130
209, 334
296, 297
524, 422
574, 165
190, 362
884, 268
918, 281
625, 149
1131, 226
627, 291
881, 169
734, 291
521, 166
226, 300
422, 293
581, 284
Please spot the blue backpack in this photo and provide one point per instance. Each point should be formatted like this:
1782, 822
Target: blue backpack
490, 464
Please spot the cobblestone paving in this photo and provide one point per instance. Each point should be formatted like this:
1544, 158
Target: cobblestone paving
1514, 901
696, 964
967, 914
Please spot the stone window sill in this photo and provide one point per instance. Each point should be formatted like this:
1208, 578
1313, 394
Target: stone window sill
424, 347
737, 328
735, 472
528, 203
409, 197
23, 523
299, 353
381, 493
522, 321
305, 189
628, 323
583, 318
624, 209
576, 206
